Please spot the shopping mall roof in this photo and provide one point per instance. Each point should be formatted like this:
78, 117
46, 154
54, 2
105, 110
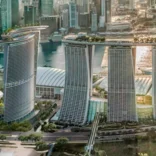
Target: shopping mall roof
50, 77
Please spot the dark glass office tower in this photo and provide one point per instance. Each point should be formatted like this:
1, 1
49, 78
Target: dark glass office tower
30, 16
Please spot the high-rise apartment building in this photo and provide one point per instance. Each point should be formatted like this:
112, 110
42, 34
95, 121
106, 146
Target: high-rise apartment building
121, 85
6, 17
47, 7
78, 83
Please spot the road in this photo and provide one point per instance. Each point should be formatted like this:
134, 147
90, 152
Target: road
51, 137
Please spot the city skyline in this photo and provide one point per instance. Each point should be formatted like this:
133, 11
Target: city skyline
79, 71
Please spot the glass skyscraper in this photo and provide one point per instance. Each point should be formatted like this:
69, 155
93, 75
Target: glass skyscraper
73, 14
20, 66
6, 16
46, 7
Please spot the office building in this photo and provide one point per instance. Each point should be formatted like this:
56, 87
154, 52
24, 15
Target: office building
65, 18
83, 6
17, 12
94, 27
121, 85
30, 16
36, 3
108, 11
103, 7
78, 83
63, 7
53, 24
84, 20
131, 4
6, 17
86, 6
73, 17
47, 7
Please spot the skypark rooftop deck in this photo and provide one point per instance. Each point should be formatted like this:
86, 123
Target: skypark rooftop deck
98, 40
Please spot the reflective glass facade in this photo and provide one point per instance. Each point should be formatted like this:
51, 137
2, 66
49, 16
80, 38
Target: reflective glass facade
78, 80
19, 79
121, 85
46, 7
6, 15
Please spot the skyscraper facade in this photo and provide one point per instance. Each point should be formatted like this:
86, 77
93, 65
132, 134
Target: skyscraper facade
102, 19
73, 14
19, 79
121, 86
78, 83
108, 11
131, 4
65, 18
30, 16
47, 7
103, 7
15, 12
94, 22
6, 15
20, 66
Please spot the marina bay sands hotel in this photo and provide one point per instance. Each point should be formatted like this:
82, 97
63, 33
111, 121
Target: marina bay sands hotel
121, 81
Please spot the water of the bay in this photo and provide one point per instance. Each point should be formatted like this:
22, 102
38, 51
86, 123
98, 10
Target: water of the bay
52, 55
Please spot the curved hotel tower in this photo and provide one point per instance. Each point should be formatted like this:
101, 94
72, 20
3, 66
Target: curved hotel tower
121, 85
78, 83
20, 73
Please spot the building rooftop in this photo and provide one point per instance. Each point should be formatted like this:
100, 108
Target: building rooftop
50, 77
